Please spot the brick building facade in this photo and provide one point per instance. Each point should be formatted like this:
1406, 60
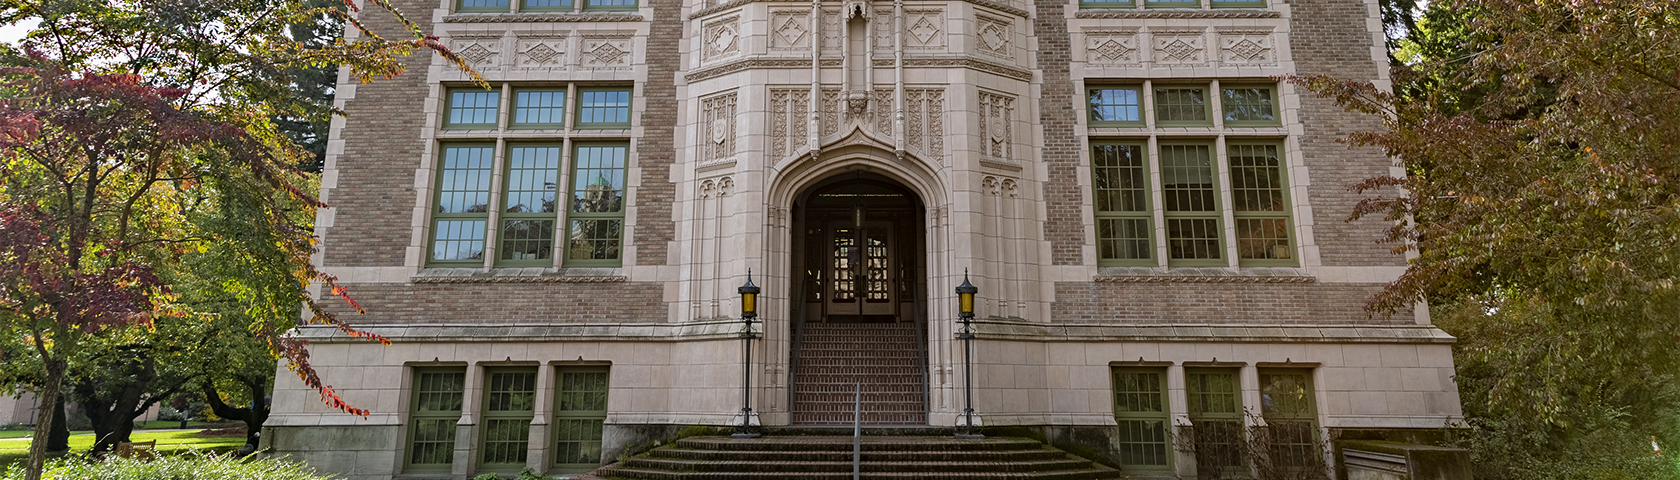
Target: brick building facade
1156, 225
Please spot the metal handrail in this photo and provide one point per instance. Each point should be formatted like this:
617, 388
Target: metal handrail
857, 432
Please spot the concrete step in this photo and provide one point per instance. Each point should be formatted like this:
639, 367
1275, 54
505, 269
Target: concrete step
868, 456
829, 457
756, 464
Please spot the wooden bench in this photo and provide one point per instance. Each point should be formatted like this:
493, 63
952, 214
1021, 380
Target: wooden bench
146, 450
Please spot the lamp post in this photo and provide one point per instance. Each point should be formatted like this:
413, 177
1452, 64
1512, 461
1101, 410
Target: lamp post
749, 311
965, 311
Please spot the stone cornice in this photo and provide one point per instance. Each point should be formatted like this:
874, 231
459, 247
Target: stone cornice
541, 17
999, 6
570, 332
1123, 13
1204, 279
1031, 331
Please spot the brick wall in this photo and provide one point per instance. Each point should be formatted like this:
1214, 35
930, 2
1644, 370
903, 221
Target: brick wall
491, 303
655, 150
1329, 37
1201, 303
1065, 224
374, 201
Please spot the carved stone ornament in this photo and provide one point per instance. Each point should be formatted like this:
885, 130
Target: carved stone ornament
1250, 47
790, 30
722, 38
717, 117
924, 29
857, 103
788, 110
605, 53
541, 52
995, 35
483, 51
997, 114
1179, 47
1111, 48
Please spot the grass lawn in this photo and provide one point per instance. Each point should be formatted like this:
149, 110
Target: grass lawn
16, 450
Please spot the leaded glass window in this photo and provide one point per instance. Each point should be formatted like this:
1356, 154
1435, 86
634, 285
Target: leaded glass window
1120, 186
1140, 411
1249, 105
603, 108
1181, 105
472, 108
434, 409
1192, 205
527, 235
597, 203
1262, 207
510, 395
1289, 406
580, 409
462, 209
1115, 106
1216, 417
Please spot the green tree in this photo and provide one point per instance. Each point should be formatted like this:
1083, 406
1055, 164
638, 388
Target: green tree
121, 119
1543, 205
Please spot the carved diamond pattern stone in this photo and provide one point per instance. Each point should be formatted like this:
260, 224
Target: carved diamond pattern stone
476, 54
924, 30
1179, 50
607, 54
1114, 51
1248, 49
791, 31
541, 53
994, 37
723, 40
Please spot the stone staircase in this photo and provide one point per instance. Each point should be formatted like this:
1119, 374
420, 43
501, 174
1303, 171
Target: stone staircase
835, 357
830, 457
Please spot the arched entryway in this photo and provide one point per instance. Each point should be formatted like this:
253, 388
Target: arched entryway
860, 316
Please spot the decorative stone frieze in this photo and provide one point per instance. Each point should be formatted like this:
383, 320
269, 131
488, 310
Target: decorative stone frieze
788, 107
722, 38
1112, 47
1175, 13
605, 52
542, 51
1246, 47
1179, 46
997, 114
995, 36
924, 125
482, 51
790, 30
545, 17
717, 125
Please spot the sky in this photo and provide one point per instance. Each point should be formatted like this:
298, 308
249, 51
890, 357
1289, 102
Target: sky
14, 32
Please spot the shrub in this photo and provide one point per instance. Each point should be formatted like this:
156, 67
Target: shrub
190, 466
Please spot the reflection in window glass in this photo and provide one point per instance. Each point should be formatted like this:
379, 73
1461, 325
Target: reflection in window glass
1114, 105
539, 107
1181, 104
473, 107
1248, 104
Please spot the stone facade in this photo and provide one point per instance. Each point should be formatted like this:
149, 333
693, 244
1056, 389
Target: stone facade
739, 109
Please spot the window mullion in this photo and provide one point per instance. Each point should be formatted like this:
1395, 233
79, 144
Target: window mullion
498, 162
563, 196
1222, 172
1157, 197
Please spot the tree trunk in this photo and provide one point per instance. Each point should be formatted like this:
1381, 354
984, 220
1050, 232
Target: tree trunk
44, 419
253, 416
59, 439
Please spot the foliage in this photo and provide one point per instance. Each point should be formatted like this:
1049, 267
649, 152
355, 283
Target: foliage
179, 467
1542, 203
526, 474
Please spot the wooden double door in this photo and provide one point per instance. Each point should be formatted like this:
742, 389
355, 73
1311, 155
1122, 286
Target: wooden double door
861, 264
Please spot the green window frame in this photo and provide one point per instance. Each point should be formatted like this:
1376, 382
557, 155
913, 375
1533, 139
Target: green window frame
1107, 4
1190, 191
1141, 413
510, 396
1259, 188
530, 205
1216, 414
1172, 4
1290, 408
461, 206
434, 407
1249, 105
1121, 197
472, 109
469, 6
1183, 105
609, 5
595, 218
1239, 4
580, 412
603, 108
546, 6
1114, 106
538, 108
